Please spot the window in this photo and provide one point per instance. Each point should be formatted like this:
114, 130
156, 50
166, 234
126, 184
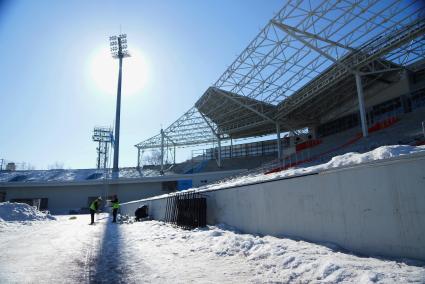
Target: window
338, 125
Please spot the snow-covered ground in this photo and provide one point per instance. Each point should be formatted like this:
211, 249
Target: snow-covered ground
68, 250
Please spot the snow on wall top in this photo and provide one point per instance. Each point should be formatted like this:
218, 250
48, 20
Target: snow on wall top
348, 159
76, 175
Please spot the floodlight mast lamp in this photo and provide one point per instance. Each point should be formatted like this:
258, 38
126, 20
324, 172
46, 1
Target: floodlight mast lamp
118, 50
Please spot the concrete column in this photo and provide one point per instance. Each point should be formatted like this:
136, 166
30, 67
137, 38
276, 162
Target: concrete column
361, 104
279, 148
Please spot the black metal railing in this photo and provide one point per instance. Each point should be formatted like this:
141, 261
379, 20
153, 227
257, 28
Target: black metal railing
187, 210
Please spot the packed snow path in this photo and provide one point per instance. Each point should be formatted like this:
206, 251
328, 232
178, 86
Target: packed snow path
70, 251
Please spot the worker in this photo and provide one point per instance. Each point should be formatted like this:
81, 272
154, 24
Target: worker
115, 207
94, 208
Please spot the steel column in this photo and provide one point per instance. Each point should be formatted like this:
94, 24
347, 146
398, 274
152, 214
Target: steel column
219, 152
279, 148
138, 158
174, 155
117, 121
162, 151
361, 104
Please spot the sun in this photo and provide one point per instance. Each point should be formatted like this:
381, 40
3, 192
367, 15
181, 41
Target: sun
104, 72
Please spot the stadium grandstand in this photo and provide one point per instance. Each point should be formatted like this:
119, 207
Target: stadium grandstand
322, 77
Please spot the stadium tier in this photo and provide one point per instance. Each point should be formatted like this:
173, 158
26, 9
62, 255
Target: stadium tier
315, 69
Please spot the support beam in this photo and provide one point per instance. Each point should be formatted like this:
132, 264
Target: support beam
361, 104
219, 153
174, 162
105, 161
381, 71
310, 35
138, 158
218, 138
209, 124
224, 94
292, 33
162, 151
279, 148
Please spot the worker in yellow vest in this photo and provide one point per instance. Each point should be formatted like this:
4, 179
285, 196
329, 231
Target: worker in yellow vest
94, 207
115, 207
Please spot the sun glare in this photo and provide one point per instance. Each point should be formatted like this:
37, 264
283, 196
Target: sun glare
104, 72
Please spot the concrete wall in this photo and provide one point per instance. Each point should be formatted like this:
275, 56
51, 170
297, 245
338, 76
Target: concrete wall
375, 209
62, 198
74, 195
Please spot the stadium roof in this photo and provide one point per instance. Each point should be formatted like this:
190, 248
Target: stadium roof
295, 68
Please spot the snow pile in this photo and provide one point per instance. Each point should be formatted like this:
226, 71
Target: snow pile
246, 258
384, 152
348, 159
21, 212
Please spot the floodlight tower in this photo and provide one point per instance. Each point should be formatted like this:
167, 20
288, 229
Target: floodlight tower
104, 136
118, 50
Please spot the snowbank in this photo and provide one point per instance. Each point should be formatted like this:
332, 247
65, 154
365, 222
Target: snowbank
348, 159
247, 258
21, 212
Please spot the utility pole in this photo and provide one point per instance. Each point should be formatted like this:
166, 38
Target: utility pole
118, 50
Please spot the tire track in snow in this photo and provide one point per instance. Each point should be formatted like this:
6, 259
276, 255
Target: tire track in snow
92, 252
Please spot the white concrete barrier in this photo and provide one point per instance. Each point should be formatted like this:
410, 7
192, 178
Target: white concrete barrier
375, 209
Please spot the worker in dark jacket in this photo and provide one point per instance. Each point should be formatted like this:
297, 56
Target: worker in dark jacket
115, 207
94, 207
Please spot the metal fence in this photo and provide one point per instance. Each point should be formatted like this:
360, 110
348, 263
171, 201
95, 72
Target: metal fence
187, 210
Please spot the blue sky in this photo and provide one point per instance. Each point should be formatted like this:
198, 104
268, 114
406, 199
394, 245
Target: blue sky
51, 84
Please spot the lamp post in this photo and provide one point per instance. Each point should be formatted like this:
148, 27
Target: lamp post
118, 50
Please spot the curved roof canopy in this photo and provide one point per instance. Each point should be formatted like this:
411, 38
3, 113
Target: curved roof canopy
295, 68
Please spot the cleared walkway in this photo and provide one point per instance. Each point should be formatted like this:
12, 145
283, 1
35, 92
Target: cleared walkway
71, 251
